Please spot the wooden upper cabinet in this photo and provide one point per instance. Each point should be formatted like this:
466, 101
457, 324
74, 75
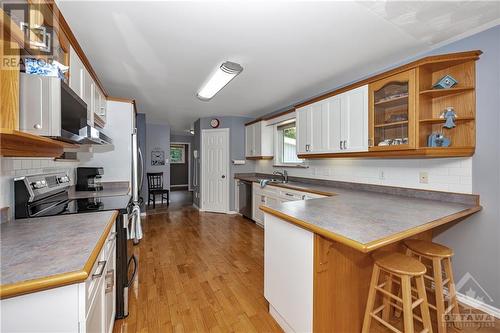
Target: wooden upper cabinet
392, 112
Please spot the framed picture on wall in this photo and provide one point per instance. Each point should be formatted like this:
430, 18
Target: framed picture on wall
157, 157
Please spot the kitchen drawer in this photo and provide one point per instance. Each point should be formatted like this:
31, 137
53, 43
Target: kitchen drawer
292, 195
96, 276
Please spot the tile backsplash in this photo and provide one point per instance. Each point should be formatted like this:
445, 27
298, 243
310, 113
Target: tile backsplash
446, 174
11, 167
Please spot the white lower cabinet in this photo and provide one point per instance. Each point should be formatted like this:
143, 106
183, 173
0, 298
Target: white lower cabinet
88, 306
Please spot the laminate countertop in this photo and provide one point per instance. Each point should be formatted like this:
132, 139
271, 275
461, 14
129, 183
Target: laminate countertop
367, 217
47, 252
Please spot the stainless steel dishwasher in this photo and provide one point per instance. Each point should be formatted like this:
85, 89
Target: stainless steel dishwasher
245, 198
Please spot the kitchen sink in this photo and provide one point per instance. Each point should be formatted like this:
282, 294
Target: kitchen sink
264, 182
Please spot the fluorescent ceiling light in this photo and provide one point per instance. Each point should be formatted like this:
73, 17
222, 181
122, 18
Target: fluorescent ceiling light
219, 79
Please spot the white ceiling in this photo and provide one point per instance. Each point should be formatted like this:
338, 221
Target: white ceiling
161, 52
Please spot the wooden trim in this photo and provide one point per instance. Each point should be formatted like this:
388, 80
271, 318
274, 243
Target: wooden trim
253, 121
458, 57
15, 143
278, 114
259, 157
371, 246
269, 117
428, 152
59, 280
120, 99
11, 29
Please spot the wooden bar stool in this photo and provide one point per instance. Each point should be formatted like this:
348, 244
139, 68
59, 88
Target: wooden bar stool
440, 257
397, 266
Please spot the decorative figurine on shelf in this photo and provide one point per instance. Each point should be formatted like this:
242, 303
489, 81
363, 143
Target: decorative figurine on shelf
445, 82
450, 116
438, 140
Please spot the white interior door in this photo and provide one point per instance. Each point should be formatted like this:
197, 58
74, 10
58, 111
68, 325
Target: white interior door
215, 170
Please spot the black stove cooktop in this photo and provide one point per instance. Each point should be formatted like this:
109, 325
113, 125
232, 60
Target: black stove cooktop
61, 206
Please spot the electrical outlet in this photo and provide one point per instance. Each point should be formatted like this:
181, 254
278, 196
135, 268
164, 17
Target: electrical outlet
381, 174
424, 177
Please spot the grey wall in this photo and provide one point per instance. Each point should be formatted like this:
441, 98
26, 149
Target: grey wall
158, 137
476, 240
236, 127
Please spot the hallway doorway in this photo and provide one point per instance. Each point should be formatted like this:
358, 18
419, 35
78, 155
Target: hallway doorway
180, 166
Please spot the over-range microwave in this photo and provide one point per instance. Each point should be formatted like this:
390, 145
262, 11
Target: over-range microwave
49, 107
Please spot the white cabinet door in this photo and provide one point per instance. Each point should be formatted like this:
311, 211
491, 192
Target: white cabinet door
354, 106
257, 139
319, 127
88, 95
95, 316
258, 215
76, 73
110, 291
303, 122
249, 140
266, 139
334, 124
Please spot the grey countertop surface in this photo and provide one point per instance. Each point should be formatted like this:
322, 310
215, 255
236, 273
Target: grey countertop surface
110, 189
363, 216
45, 246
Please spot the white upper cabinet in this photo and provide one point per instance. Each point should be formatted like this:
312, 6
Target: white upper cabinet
259, 140
76, 73
334, 125
354, 117
303, 124
84, 86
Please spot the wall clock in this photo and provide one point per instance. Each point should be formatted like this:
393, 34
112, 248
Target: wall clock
214, 123
157, 157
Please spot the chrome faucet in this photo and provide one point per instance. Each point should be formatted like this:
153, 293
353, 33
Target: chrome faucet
283, 174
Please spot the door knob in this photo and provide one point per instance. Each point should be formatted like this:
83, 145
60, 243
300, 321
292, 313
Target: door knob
223, 176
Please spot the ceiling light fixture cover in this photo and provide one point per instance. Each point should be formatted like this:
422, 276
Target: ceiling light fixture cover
219, 79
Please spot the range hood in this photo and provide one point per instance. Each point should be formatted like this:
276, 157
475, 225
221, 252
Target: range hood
91, 135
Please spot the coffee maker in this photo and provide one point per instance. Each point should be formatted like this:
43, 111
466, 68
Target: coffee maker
89, 178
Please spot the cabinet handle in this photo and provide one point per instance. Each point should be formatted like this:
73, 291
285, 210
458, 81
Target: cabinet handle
110, 281
345, 144
289, 194
340, 144
37, 126
100, 268
262, 199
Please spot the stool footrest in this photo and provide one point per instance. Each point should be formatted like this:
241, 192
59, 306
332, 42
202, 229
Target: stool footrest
383, 291
386, 324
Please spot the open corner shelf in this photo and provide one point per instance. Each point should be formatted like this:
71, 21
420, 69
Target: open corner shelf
444, 92
15, 143
441, 120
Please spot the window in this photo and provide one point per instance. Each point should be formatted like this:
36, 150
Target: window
287, 144
177, 153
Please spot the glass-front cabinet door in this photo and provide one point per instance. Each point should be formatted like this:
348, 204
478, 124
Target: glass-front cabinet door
392, 112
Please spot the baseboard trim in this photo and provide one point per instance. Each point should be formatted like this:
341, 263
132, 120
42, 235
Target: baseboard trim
478, 305
232, 212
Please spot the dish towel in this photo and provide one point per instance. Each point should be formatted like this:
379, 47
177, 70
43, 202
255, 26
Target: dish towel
135, 228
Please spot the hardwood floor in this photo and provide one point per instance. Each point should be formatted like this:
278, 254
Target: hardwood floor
198, 272
203, 272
